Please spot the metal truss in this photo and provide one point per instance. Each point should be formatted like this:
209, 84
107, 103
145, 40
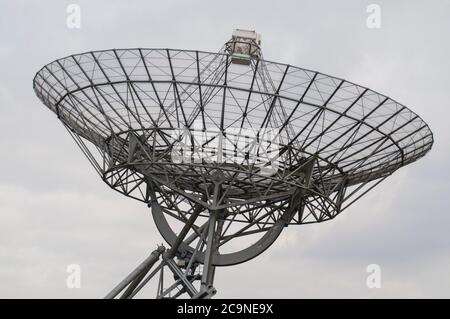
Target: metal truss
183, 273
335, 141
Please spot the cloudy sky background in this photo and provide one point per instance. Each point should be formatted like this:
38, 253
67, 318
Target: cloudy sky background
55, 211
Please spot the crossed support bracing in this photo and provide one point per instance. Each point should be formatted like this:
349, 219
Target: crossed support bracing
193, 267
184, 278
183, 265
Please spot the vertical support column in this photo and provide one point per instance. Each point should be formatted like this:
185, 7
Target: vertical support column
212, 243
211, 247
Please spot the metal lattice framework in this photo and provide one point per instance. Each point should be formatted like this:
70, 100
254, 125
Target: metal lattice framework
336, 140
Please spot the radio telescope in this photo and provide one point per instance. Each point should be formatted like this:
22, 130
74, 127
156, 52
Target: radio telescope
226, 148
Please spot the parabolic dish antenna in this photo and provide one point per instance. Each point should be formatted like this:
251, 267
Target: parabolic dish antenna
226, 148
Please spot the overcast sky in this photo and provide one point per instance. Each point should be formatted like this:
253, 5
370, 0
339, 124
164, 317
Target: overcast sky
55, 211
